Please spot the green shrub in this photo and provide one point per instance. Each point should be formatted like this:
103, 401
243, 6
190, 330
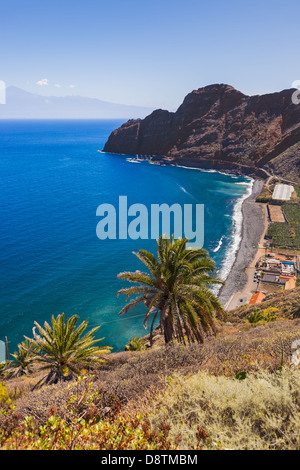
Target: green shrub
255, 317
87, 426
4, 395
263, 316
135, 344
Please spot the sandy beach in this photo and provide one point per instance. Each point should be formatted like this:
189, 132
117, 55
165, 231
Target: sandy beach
253, 230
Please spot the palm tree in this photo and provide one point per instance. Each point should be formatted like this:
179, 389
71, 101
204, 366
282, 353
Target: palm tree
177, 289
63, 349
22, 360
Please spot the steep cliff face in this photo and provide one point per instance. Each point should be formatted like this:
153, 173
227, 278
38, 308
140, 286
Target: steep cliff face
220, 127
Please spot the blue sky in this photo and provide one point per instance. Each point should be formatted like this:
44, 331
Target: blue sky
149, 53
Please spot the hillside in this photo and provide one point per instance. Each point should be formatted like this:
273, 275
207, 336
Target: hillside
238, 390
219, 127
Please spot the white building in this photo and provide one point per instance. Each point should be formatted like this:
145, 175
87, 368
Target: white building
283, 192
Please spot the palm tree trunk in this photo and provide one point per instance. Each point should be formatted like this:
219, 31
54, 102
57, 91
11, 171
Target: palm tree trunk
152, 327
168, 329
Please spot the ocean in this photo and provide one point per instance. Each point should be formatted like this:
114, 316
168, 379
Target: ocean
52, 179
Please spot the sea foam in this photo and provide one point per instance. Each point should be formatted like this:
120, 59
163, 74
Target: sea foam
237, 232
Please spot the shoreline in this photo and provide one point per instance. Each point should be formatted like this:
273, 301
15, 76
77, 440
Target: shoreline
247, 238
249, 234
225, 167
253, 228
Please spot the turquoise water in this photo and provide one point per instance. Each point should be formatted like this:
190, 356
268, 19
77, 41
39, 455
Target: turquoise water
52, 180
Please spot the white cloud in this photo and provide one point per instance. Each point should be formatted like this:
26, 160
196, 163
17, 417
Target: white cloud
57, 85
72, 86
43, 82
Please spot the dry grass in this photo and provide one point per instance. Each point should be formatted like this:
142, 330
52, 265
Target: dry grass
129, 377
129, 384
261, 412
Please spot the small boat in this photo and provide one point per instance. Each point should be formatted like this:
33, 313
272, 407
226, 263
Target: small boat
133, 160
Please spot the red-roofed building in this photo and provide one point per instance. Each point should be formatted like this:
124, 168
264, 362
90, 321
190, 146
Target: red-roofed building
257, 298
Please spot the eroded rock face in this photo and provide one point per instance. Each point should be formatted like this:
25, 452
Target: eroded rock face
219, 127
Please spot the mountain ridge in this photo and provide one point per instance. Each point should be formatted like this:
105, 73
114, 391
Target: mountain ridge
21, 104
221, 128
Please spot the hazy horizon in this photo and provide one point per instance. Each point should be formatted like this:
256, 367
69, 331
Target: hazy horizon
148, 54
21, 104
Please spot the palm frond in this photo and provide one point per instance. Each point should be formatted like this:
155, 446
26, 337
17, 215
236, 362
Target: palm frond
177, 288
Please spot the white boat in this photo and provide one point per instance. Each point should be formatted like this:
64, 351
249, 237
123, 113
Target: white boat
133, 160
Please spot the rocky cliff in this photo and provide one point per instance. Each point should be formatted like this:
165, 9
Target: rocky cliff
219, 127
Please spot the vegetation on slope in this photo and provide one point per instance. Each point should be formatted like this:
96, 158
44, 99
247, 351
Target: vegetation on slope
171, 397
258, 413
286, 235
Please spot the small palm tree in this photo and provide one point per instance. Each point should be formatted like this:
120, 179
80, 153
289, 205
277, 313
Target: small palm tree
22, 360
63, 349
135, 344
177, 289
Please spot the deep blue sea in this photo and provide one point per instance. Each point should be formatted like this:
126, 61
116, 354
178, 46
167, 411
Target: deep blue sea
52, 180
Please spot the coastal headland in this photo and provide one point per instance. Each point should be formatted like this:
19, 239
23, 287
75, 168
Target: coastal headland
218, 127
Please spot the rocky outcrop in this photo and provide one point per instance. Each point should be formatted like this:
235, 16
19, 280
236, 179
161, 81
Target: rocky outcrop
219, 127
